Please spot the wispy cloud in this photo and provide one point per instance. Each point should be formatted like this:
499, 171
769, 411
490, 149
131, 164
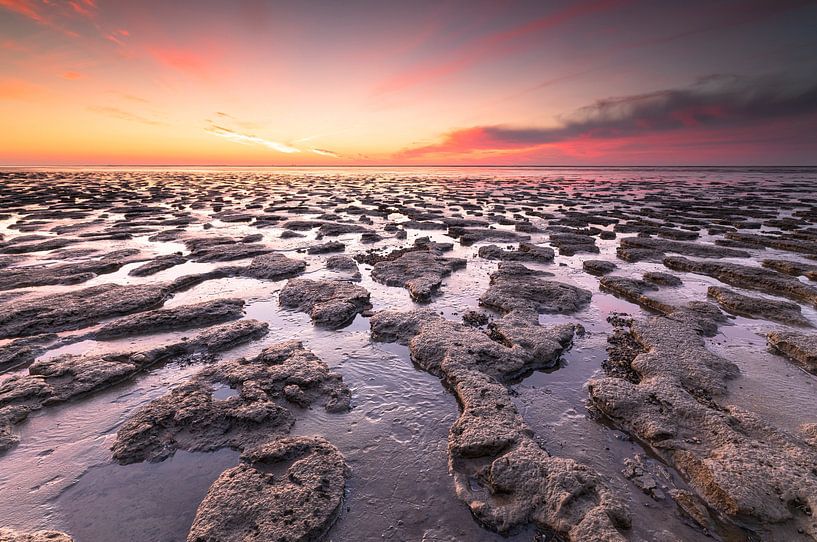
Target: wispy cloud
54, 14
324, 152
249, 139
121, 114
489, 46
712, 102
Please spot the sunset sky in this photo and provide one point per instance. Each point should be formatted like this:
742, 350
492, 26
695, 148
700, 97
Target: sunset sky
351, 82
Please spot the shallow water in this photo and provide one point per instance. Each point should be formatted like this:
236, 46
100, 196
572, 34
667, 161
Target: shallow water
395, 438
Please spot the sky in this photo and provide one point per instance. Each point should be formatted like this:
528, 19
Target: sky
600, 82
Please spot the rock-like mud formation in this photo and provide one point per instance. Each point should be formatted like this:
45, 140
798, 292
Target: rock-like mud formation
501, 473
269, 389
10, 535
801, 347
330, 303
66, 273
182, 317
744, 276
289, 489
160, 263
598, 267
273, 266
515, 287
643, 248
72, 310
758, 307
60, 379
758, 476
792, 268
526, 252
420, 270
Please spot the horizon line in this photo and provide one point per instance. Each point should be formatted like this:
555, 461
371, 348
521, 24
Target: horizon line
414, 165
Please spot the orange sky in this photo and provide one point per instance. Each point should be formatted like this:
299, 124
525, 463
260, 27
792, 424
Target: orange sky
280, 83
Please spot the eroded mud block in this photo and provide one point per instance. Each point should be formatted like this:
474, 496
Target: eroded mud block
181, 317
526, 252
289, 489
801, 347
598, 267
744, 276
60, 379
500, 472
638, 248
274, 266
740, 465
263, 396
10, 535
330, 303
160, 263
515, 287
73, 310
421, 272
65, 273
757, 307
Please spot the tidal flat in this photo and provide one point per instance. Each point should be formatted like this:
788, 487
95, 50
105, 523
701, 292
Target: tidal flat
433, 354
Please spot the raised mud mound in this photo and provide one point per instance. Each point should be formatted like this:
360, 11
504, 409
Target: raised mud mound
758, 476
330, 303
515, 287
9, 535
420, 271
289, 489
60, 379
268, 387
500, 472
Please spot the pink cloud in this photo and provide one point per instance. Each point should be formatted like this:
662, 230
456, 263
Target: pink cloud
491, 45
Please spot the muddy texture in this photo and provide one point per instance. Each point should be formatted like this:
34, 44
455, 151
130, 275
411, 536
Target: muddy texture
598, 267
792, 268
160, 263
526, 252
221, 249
662, 279
490, 447
570, 244
77, 309
62, 378
635, 290
10, 535
469, 236
181, 317
273, 266
23, 351
515, 287
782, 242
137, 251
289, 489
421, 272
644, 248
801, 347
758, 307
744, 276
330, 303
272, 387
66, 273
754, 474
345, 266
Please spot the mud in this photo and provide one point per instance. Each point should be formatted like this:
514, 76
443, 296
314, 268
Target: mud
484, 354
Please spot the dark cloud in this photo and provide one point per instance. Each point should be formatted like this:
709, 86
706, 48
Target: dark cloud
712, 102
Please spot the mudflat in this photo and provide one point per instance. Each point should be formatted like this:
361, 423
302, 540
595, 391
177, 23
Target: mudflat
408, 354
